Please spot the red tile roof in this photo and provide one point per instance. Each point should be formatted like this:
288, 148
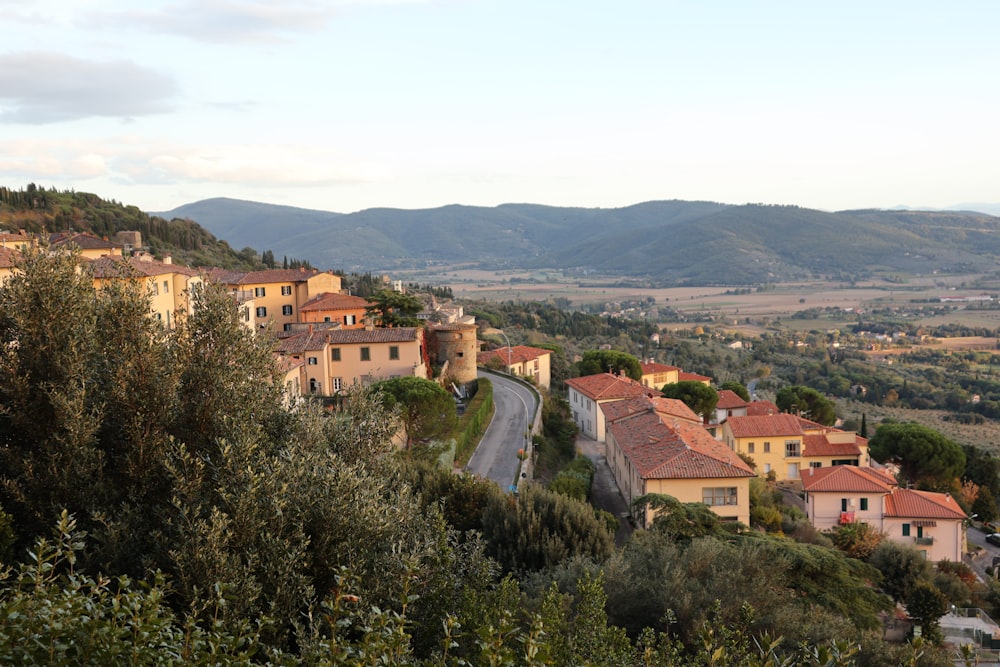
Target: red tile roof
124, 267
764, 425
359, 336
692, 377
334, 301
652, 367
729, 400
851, 479
261, 277
913, 504
82, 240
677, 450
607, 387
818, 444
518, 354
666, 407
8, 257
758, 408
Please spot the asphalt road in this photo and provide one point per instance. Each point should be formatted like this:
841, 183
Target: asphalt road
496, 456
984, 557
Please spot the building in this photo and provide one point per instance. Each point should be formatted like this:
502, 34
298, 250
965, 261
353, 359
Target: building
346, 309
730, 405
930, 522
784, 445
335, 359
169, 285
588, 393
278, 294
656, 375
521, 360
650, 453
456, 345
89, 246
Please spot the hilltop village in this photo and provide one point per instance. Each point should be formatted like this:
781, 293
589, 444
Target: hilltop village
670, 455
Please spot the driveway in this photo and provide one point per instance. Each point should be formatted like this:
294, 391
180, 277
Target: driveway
604, 493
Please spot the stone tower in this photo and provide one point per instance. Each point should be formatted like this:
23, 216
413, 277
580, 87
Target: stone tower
456, 344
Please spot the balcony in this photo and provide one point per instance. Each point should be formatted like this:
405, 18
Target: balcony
846, 518
923, 541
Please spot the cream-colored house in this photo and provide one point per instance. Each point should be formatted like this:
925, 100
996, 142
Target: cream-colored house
730, 405
168, 285
930, 522
786, 445
335, 359
346, 309
650, 453
656, 375
528, 362
90, 246
588, 393
278, 294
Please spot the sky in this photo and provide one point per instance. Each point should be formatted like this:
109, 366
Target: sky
344, 105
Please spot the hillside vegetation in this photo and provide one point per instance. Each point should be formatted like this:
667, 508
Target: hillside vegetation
672, 242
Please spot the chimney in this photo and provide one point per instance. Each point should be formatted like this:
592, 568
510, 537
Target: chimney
167, 259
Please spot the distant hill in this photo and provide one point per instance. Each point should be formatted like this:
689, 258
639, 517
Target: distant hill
666, 242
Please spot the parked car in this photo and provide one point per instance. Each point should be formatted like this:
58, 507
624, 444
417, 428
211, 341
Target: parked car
993, 538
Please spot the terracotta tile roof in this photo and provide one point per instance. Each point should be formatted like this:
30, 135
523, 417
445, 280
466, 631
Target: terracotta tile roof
670, 408
607, 387
757, 408
729, 400
119, 267
764, 425
675, 451
692, 377
910, 503
518, 354
818, 444
847, 479
334, 301
452, 326
653, 367
301, 343
81, 240
358, 336
9, 257
261, 277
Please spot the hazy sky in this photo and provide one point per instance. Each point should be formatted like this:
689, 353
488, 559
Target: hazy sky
343, 105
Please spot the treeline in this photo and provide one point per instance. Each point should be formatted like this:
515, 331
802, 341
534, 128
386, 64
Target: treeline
553, 321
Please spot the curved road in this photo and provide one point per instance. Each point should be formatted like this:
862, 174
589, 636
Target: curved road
496, 456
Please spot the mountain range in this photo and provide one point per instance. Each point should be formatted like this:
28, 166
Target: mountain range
664, 242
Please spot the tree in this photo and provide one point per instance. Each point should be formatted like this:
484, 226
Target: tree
610, 361
808, 403
858, 539
926, 605
924, 456
701, 398
393, 309
901, 566
737, 388
425, 408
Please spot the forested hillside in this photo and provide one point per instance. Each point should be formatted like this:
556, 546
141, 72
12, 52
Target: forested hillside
38, 210
670, 242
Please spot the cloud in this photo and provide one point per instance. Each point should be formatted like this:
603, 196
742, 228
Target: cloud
40, 87
224, 20
136, 162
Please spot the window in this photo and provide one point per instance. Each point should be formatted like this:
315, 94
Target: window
335, 354
791, 447
350, 319
338, 384
394, 352
259, 291
906, 530
864, 504
750, 448
767, 448
156, 289
767, 468
719, 495
166, 287
366, 354
286, 310
287, 326
261, 311
326, 318
312, 361
286, 290
460, 354
843, 504
815, 464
